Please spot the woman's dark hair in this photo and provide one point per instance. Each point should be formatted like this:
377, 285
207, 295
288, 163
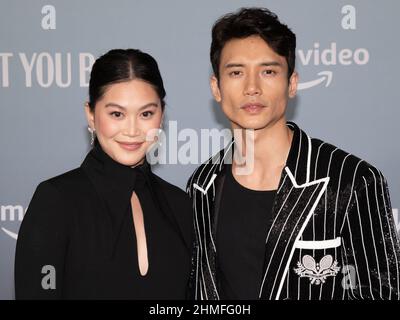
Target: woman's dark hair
253, 22
120, 65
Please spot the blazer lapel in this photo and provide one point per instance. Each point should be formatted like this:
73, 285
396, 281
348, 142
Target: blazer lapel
294, 205
205, 189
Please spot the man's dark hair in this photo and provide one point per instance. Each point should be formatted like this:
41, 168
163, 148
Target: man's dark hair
248, 22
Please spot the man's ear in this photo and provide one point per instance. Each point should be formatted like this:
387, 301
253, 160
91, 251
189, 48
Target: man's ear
215, 88
89, 115
293, 81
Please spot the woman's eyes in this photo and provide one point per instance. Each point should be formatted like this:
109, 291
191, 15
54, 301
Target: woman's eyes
116, 114
144, 115
147, 114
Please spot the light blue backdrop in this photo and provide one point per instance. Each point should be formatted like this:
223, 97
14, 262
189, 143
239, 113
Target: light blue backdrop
347, 56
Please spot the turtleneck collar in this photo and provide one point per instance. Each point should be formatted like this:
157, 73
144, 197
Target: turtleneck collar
115, 182
122, 177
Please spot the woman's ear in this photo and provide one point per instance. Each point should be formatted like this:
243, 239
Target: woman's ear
162, 120
89, 115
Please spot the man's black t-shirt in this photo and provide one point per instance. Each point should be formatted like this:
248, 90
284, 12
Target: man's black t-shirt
243, 224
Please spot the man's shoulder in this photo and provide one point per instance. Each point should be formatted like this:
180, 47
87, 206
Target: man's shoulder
206, 169
336, 161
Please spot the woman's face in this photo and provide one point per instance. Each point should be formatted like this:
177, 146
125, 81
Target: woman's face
126, 119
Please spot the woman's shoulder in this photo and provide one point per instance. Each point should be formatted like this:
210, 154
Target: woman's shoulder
53, 201
69, 182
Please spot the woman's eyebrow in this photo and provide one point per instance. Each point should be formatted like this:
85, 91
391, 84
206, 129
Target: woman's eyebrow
112, 104
150, 104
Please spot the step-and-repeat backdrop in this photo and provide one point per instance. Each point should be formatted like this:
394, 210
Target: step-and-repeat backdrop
347, 57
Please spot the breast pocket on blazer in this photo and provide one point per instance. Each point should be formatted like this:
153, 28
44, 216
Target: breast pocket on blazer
317, 260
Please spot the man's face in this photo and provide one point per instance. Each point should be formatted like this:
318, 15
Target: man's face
253, 88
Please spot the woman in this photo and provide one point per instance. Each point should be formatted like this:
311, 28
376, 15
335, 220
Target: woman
110, 229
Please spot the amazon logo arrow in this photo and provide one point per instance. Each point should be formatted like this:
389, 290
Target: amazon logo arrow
324, 75
11, 234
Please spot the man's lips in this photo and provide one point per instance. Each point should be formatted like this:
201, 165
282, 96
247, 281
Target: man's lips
253, 107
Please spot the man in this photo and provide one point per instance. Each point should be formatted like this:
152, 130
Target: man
308, 220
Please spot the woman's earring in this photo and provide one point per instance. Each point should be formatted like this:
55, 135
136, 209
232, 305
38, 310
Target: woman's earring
92, 135
160, 130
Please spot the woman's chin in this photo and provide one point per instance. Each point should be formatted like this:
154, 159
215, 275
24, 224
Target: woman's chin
128, 158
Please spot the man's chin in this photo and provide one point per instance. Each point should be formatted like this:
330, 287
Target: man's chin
250, 125
257, 124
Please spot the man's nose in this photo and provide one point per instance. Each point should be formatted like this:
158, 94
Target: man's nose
252, 86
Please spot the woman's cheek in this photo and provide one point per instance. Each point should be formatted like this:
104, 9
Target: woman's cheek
153, 124
107, 126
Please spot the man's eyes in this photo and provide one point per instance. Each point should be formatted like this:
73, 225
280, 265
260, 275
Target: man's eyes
269, 72
235, 73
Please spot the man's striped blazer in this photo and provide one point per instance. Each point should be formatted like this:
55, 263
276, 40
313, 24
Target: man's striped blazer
332, 235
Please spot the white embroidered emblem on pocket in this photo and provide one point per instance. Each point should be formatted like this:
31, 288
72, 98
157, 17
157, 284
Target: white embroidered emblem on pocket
317, 272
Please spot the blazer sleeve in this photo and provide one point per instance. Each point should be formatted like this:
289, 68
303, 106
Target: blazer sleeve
371, 242
42, 245
194, 261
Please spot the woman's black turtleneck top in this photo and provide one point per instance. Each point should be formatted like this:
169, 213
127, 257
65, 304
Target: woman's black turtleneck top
77, 239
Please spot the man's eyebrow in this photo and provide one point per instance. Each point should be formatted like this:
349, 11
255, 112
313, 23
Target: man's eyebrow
150, 104
234, 65
264, 64
271, 63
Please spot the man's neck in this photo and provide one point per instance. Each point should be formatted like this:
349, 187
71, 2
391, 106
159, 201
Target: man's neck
264, 152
